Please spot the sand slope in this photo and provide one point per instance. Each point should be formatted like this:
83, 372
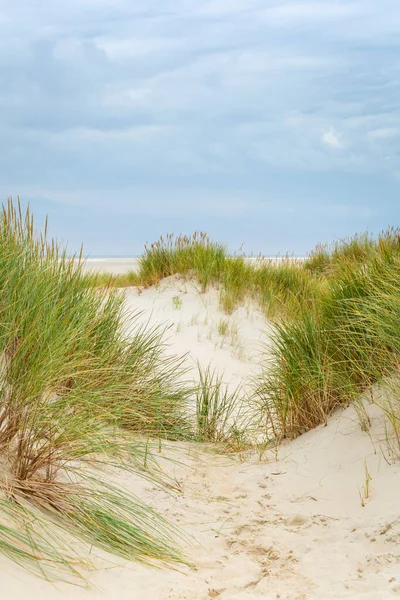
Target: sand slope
191, 321
289, 527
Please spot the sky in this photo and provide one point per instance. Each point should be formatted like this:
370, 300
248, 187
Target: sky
270, 124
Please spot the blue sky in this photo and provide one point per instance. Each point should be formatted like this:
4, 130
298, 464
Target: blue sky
273, 123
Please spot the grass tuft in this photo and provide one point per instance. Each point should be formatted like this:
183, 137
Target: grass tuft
217, 408
74, 370
195, 255
342, 342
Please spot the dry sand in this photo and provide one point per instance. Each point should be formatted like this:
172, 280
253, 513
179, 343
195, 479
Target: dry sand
116, 266
291, 526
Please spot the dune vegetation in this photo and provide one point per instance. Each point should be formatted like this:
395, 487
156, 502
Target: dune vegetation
275, 285
338, 346
83, 386
335, 318
74, 385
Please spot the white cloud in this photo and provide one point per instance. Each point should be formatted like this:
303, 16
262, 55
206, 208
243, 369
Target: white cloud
332, 138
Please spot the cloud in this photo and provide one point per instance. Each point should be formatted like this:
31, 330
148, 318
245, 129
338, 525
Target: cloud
314, 12
102, 97
332, 138
384, 133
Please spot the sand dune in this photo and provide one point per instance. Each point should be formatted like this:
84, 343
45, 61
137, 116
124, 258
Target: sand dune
293, 525
193, 322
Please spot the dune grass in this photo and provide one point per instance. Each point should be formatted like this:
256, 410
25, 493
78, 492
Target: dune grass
219, 412
128, 279
283, 289
355, 251
214, 406
278, 287
332, 338
71, 377
329, 312
340, 344
196, 256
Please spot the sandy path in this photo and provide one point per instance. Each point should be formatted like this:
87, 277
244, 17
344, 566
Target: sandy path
292, 527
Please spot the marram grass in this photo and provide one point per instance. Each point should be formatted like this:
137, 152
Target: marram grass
340, 344
278, 287
334, 334
196, 255
70, 378
216, 406
330, 317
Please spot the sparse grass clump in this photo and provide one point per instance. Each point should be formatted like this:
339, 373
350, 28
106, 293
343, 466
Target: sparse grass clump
177, 302
223, 327
71, 376
216, 407
128, 279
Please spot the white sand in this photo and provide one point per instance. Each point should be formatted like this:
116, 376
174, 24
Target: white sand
116, 266
289, 528
192, 321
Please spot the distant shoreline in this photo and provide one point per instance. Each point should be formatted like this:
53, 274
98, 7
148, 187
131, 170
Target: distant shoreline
120, 265
134, 256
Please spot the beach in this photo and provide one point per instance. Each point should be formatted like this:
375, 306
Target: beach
289, 523
200, 300
114, 266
